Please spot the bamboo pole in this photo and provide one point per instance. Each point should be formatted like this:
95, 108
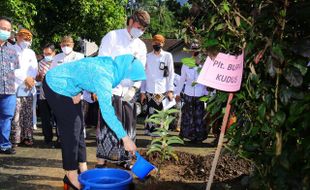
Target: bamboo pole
220, 143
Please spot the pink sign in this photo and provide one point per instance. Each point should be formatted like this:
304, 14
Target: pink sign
223, 73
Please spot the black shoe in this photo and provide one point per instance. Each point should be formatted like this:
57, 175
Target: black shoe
8, 151
68, 184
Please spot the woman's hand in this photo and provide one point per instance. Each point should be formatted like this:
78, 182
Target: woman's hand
129, 145
76, 99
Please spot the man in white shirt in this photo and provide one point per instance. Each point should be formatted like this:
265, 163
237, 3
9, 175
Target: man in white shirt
160, 78
67, 54
22, 124
114, 43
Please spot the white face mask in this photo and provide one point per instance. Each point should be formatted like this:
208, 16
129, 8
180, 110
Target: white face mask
135, 32
67, 50
48, 58
24, 44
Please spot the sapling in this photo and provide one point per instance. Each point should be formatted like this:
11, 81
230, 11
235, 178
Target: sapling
162, 143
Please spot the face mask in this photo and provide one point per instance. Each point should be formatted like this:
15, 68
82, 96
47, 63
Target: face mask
156, 47
24, 44
67, 50
48, 58
4, 35
135, 32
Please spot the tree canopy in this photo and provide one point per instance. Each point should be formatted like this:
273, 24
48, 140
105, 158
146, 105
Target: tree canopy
49, 20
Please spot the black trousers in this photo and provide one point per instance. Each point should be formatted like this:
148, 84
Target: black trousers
70, 126
48, 120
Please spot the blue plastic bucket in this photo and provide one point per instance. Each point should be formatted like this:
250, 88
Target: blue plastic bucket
105, 179
142, 167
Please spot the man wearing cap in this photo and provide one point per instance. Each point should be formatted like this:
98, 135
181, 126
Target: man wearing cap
22, 125
67, 54
114, 43
159, 79
8, 63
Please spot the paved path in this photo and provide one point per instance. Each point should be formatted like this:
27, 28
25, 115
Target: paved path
39, 167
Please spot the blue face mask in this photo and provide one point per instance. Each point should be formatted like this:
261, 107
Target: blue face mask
48, 58
4, 35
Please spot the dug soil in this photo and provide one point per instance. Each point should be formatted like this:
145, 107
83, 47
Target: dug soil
192, 172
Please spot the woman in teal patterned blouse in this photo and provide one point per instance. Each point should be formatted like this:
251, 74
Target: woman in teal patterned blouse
64, 84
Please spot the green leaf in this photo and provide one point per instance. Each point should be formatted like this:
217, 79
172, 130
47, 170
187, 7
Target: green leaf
303, 69
189, 61
153, 150
204, 98
277, 52
285, 94
175, 141
262, 111
219, 27
226, 6
210, 42
270, 67
279, 118
293, 76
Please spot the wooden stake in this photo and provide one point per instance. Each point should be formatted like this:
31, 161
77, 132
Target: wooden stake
220, 143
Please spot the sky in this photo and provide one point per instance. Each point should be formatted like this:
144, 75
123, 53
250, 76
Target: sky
182, 2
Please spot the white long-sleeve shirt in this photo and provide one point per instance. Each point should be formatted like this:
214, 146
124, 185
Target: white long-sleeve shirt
155, 82
188, 77
119, 42
28, 65
61, 58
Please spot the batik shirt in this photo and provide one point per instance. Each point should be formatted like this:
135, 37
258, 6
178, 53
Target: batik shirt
8, 63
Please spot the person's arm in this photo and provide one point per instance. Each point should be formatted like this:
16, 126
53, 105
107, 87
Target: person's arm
181, 82
141, 55
105, 45
170, 78
103, 90
32, 70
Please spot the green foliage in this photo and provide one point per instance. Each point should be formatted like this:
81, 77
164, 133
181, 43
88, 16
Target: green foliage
272, 106
189, 61
50, 20
162, 143
163, 20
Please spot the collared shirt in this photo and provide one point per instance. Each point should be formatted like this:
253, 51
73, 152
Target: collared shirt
189, 77
155, 82
119, 42
61, 58
8, 63
28, 65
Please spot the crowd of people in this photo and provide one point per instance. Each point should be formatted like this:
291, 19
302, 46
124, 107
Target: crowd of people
122, 69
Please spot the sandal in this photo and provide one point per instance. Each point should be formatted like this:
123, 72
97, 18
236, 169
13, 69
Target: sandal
28, 142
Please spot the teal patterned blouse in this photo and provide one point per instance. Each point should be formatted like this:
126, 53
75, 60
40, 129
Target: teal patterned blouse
98, 75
